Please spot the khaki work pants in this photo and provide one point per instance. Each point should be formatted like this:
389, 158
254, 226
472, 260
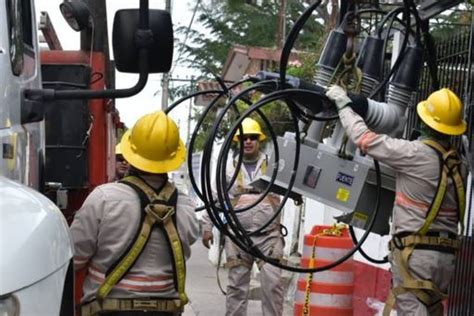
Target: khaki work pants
431, 265
239, 278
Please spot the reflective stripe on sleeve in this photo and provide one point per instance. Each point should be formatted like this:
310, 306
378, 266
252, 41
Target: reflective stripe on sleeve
80, 262
402, 200
365, 140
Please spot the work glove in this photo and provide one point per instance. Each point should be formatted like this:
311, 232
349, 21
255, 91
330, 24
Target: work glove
339, 96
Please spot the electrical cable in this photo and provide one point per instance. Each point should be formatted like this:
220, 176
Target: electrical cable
235, 231
292, 36
218, 201
362, 252
247, 244
429, 45
399, 59
186, 35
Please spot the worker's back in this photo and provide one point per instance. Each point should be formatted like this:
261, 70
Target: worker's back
114, 216
418, 174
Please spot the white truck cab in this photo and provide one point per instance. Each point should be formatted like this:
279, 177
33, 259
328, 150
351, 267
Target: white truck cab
35, 245
36, 249
36, 253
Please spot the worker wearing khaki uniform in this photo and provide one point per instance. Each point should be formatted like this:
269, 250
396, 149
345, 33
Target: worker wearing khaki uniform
424, 242
108, 228
269, 241
121, 165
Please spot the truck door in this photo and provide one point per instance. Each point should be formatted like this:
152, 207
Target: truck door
21, 129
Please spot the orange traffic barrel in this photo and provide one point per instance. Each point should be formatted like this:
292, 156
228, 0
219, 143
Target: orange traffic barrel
329, 292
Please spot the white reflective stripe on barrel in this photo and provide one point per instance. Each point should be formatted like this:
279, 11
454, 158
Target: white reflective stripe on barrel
321, 299
331, 254
333, 277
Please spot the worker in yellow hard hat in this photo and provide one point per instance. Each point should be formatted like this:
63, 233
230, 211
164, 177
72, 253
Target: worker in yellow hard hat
121, 165
429, 201
270, 240
127, 234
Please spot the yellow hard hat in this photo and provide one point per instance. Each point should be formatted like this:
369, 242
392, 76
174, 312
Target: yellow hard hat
118, 149
443, 112
153, 144
250, 126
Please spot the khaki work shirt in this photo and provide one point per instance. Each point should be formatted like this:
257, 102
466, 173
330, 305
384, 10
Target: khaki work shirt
106, 225
255, 217
417, 170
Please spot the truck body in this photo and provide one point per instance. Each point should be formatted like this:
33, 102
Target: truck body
35, 244
57, 132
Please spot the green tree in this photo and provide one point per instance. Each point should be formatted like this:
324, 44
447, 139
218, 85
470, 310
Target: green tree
237, 22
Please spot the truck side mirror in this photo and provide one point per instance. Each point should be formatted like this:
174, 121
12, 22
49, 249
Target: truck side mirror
124, 38
31, 111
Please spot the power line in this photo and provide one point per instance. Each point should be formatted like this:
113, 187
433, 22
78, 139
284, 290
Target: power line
186, 35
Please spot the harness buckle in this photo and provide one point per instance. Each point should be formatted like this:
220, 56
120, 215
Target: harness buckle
397, 242
144, 304
160, 212
446, 242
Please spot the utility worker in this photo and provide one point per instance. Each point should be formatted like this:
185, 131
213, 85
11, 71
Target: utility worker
134, 235
121, 165
269, 241
429, 199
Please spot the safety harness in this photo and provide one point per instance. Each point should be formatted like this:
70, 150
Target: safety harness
158, 210
241, 187
402, 246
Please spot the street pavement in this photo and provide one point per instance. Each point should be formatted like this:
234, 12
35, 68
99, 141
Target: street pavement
204, 295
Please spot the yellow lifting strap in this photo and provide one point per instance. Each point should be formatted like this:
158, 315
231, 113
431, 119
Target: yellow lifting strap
157, 213
449, 168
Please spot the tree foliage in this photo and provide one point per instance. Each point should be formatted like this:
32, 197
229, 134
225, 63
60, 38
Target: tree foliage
451, 22
226, 24
232, 22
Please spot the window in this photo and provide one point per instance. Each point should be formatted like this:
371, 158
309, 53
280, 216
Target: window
20, 32
27, 22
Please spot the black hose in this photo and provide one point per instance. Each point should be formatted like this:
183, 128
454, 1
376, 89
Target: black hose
362, 252
218, 202
245, 241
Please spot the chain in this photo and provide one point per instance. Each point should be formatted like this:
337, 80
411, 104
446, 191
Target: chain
335, 230
351, 76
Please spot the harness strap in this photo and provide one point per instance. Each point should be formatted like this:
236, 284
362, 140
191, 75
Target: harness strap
241, 189
158, 212
114, 305
415, 240
391, 299
449, 167
427, 291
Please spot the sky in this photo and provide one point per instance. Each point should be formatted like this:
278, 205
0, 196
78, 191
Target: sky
149, 99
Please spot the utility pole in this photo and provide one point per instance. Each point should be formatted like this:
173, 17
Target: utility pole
188, 136
281, 29
165, 78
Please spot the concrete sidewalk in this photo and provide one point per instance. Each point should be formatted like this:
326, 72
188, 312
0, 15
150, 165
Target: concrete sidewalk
201, 286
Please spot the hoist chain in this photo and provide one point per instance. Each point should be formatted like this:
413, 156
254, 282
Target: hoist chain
351, 76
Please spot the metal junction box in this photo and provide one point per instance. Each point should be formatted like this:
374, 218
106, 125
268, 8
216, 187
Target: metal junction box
347, 185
